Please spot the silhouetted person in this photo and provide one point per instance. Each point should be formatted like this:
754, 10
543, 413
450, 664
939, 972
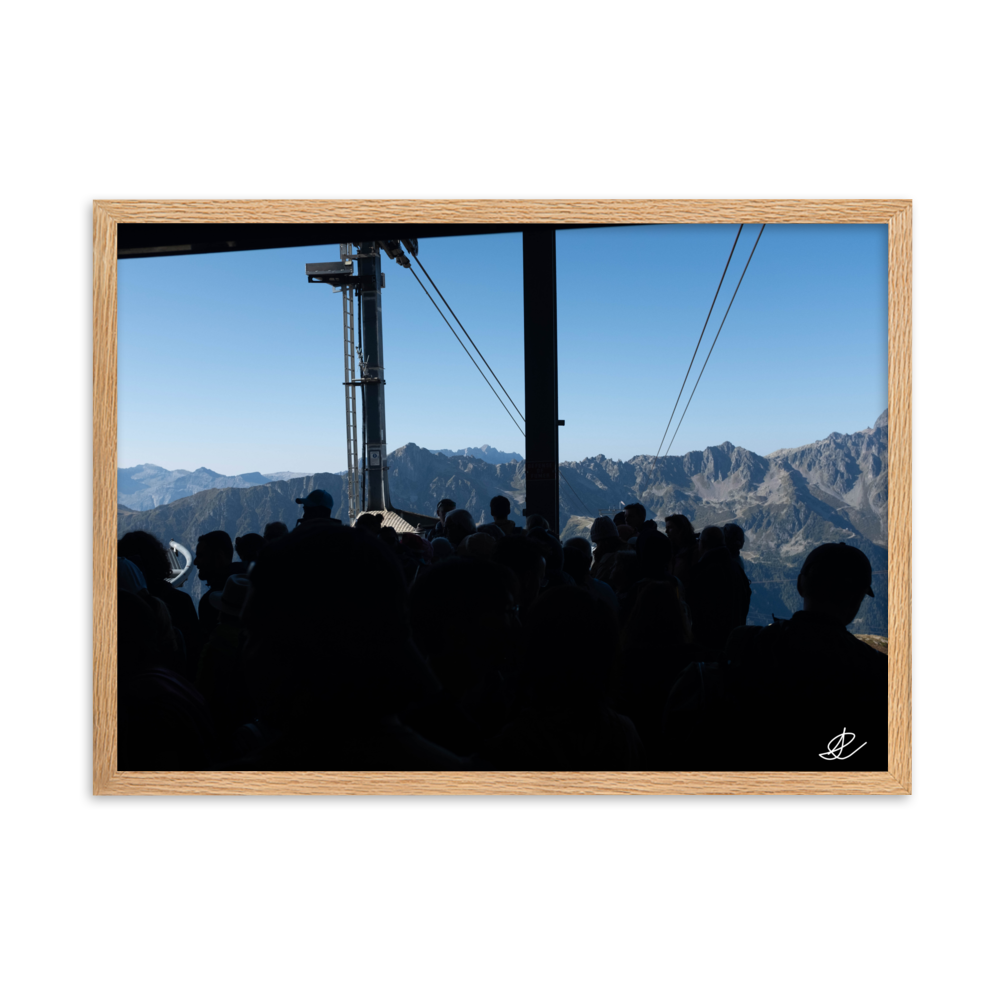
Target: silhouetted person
500, 512
444, 506
369, 523
713, 592
149, 554
389, 537
655, 554
441, 549
734, 538
604, 535
685, 542
457, 524
577, 559
656, 647
417, 551
622, 572
316, 507
419, 547
163, 721
525, 558
274, 530
535, 521
620, 518
555, 575
247, 547
652, 561
798, 689
463, 618
567, 723
168, 639
331, 657
580, 543
214, 558
221, 677
635, 516
130, 577
478, 545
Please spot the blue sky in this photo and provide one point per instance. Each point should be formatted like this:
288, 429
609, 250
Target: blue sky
234, 362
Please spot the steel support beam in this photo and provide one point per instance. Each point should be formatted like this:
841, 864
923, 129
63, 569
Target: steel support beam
145, 239
373, 393
541, 374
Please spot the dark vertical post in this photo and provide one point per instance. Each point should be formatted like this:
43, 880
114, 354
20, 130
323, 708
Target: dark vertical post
541, 376
373, 453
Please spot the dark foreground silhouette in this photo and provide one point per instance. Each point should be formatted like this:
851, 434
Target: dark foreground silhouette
491, 647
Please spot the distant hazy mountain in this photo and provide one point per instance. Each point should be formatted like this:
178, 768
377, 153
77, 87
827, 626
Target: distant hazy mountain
146, 486
787, 503
486, 453
275, 477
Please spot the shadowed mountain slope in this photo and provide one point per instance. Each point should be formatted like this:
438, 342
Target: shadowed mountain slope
143, 487
787, 503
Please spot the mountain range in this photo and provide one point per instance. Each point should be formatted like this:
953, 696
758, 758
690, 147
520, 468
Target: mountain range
787, 503
485, 452
144, 487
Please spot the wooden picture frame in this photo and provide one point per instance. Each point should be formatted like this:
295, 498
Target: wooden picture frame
108, 780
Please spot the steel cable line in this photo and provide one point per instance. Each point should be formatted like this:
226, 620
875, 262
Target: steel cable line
712, 348
485, 362
464, 348
577, 495
466, 332
696, 346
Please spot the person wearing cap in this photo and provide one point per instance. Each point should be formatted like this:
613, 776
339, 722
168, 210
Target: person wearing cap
317, 511
796, 685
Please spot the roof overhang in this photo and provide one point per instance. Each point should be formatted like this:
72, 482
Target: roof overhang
141, 239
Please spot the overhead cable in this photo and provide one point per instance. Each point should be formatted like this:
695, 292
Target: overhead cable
464, 348
485, 362
466, 332
577, 495
696, 346
712, 348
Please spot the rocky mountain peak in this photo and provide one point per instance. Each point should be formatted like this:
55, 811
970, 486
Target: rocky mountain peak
787, 502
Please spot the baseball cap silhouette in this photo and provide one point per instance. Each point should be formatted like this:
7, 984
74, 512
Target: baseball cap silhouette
318, 498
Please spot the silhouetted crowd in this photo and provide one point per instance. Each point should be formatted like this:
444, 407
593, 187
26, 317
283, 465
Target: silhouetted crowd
492, 647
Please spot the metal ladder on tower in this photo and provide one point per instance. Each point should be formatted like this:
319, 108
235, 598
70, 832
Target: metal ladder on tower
351, 407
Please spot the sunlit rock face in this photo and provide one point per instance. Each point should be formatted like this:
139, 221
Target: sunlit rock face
787, 502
